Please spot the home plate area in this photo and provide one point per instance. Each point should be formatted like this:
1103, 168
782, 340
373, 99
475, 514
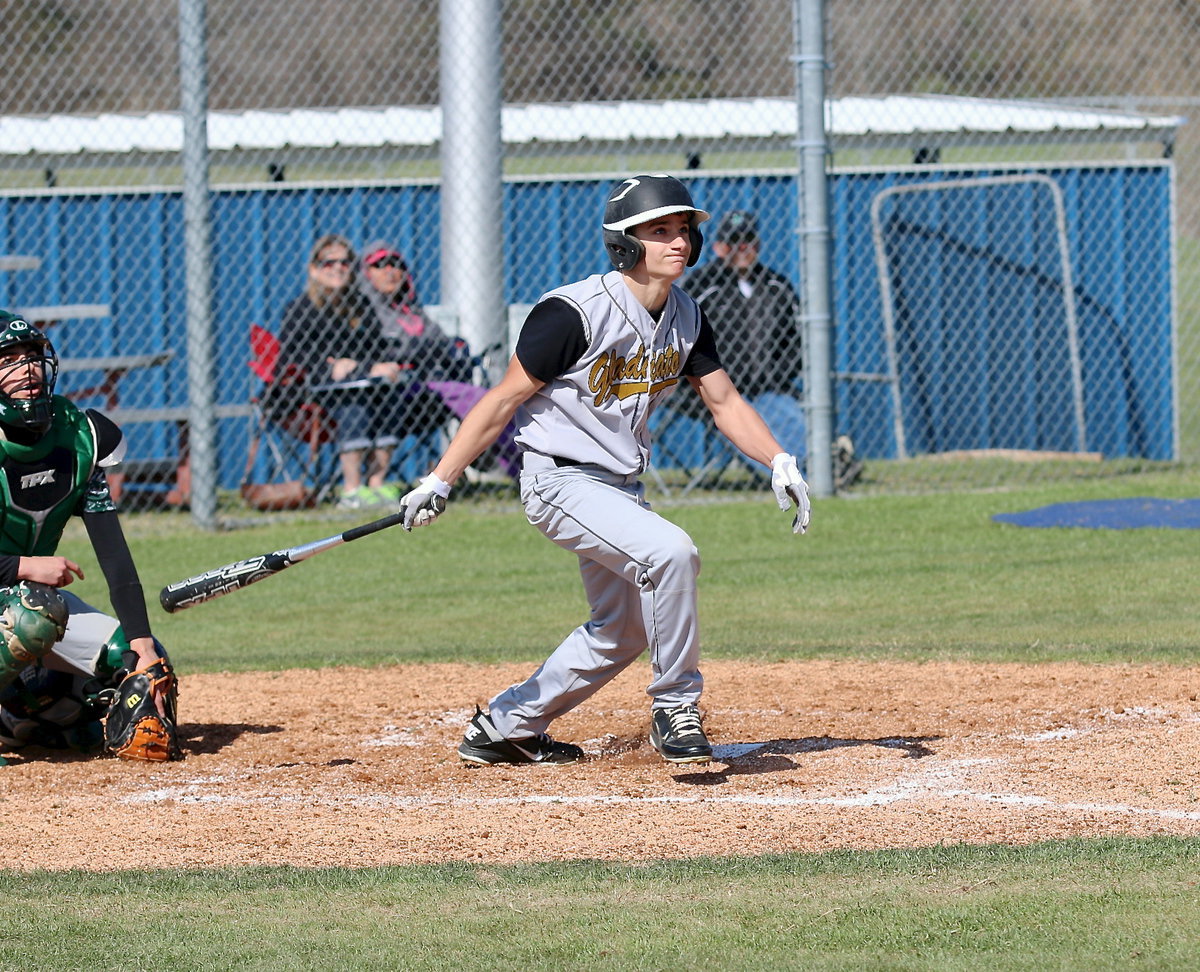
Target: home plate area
357, 767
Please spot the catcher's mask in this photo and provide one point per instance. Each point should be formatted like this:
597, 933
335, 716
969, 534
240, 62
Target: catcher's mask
640, 199
28, 372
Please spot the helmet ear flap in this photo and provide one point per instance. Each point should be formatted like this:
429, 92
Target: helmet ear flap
623, 250
697, 245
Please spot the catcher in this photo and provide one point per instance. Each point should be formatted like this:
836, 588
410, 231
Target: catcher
64, 665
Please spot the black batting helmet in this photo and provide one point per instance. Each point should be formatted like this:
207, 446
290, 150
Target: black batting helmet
638, 200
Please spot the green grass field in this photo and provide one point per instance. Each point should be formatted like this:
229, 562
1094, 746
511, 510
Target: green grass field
1110, 904
915, 577
877, 576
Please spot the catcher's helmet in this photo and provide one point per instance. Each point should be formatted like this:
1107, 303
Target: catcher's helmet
638, 200
35, 412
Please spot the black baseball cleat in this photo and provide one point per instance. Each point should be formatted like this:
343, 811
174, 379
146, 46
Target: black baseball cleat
678, 736
484, 746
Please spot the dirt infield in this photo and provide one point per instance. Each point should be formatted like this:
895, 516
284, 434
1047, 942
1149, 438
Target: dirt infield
356, 767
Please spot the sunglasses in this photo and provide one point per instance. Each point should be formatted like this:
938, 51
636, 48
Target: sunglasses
326, 264
388, 261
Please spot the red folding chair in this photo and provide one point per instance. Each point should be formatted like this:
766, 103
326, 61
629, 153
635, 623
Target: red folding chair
293, 429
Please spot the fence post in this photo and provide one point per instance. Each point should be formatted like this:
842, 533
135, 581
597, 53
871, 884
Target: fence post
193, 85
813, 149
472, 158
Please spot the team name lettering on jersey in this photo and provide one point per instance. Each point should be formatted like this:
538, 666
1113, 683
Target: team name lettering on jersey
42, 478
613, 376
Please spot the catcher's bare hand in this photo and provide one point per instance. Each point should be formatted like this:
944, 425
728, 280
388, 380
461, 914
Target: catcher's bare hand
53, 571
790, 488
425, 503
147, 656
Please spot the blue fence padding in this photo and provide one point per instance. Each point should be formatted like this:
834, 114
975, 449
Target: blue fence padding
980, 318
1119, 240
126, 249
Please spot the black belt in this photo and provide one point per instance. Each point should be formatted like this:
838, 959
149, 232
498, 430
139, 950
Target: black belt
561, 461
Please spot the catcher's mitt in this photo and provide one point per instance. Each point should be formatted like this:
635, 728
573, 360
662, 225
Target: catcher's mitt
135, 729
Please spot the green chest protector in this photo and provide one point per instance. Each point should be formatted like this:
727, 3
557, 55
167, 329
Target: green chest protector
44, 484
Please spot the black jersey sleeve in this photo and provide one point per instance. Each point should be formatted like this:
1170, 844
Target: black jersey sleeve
116, 564
552, 339
10, 564
704, 359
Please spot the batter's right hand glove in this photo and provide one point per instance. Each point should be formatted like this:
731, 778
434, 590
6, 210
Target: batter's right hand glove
790, 487
424, 504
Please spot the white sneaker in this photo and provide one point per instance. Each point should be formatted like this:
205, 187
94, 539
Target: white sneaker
494, 476
847, 467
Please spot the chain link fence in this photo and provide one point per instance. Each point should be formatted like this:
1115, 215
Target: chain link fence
1015, 267
1044, 325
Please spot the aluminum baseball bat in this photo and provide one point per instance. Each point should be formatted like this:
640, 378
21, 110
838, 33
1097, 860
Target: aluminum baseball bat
233, 577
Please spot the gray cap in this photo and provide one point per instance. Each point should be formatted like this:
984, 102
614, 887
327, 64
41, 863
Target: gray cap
737, 225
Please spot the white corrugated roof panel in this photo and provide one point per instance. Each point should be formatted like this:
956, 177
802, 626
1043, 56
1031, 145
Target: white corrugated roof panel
903, 114
742, 118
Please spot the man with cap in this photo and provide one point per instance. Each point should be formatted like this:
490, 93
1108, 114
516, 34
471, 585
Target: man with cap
755, 314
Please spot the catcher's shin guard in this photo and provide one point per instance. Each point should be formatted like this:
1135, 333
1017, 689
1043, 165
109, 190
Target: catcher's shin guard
33, 618
135, 729
50, 709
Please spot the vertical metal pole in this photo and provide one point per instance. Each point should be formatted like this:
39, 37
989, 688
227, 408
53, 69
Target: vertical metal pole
193, 89
815, 243
472, 151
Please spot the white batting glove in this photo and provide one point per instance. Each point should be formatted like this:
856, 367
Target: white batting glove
424, 504
790, 488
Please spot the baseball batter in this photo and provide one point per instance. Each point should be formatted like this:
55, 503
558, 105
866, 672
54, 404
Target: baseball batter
593, 361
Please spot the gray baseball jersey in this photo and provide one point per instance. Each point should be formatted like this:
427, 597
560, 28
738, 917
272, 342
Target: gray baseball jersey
604, 380
607, 363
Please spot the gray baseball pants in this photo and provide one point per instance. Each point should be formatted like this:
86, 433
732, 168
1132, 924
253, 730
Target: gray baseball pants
88, 630
639, 574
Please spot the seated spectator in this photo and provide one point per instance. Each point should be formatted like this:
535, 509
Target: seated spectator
439, 365
329, 334
413, 337
755, 313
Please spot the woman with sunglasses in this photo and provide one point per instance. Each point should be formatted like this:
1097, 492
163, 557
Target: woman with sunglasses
329, 334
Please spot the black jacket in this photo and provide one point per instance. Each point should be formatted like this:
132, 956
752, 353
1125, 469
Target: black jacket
309, 335
758, 336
